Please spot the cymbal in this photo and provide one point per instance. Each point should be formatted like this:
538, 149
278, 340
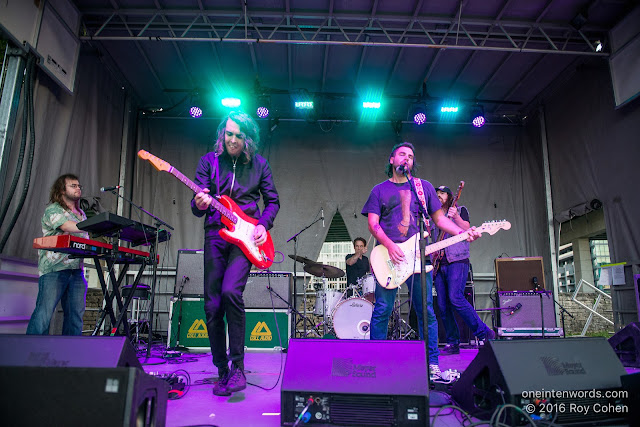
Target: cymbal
301, 259
324, 270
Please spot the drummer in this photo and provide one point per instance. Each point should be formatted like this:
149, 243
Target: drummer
357, 263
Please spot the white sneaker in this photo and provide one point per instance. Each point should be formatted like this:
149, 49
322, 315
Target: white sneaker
434, 372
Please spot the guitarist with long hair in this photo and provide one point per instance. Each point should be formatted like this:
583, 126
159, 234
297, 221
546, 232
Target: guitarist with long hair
233, 169
392, 211
451, 268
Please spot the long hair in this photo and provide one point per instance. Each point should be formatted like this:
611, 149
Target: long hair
248, 126
58, 188
389, 169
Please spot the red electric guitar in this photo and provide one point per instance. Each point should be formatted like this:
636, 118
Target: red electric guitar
239, 225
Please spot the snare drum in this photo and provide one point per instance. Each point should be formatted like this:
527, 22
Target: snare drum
352, 319
328, 300
367, 284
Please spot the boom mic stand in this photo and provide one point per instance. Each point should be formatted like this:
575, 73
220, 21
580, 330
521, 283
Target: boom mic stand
153, 253
185, 279
423, 271
295, 281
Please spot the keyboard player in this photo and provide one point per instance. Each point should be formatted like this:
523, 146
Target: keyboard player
61, 276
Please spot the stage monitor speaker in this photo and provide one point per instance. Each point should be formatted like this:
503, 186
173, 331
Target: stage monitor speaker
190, 273
626, 344
566, 371
517, 274
37, 396
256, 293
529, 315
67, 351
465, 334
356, 382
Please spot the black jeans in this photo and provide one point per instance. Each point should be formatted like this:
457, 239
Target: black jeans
226, 270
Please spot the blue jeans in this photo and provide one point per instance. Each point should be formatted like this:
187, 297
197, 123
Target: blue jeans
450, 282
384, 306
68, 286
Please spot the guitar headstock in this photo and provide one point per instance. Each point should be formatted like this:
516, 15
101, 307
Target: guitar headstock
159, 164
492, 227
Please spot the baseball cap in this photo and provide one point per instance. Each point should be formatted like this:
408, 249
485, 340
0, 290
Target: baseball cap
445, 189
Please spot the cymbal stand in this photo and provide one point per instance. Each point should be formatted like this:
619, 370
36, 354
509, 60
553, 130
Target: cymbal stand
295, 277
292, 309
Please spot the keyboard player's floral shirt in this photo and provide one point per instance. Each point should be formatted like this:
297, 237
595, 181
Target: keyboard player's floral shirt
49, 261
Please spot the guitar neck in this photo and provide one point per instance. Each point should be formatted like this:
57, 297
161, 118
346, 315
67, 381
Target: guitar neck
438, 246
196, 189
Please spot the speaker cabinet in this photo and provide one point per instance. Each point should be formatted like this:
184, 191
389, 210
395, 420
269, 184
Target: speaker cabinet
190, 273
67, 351
517, 274
256, 293
532, 308
465, 334
64, 380
356, 382
82, 396
576, 370
626, 344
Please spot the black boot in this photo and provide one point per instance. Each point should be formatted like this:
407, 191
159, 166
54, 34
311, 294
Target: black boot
220, 386
236, 380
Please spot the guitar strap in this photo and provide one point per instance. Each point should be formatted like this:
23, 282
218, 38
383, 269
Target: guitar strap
217, 173
418, 184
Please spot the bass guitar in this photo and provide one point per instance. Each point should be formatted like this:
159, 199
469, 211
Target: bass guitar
240, 226
391, 275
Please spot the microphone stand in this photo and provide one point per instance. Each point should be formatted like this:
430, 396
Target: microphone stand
562, 313
178, 346
153, 252
423, 273
295, 281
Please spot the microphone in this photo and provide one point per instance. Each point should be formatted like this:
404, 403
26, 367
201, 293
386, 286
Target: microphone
516, 308
535, 283
401, 169
185, 278
103, 189
322, 214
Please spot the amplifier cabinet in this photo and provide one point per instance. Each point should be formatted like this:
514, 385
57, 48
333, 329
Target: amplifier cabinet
529, 313
261, 331
519, 274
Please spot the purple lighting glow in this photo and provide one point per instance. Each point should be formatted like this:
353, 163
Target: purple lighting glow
420, 118
478, 121
195, 112
262, 112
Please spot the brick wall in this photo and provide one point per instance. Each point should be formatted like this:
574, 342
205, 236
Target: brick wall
574, 326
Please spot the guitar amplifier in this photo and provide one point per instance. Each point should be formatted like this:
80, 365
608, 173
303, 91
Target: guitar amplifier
190, 273
529, 313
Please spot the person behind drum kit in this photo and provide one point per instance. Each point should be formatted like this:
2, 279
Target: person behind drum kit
451, 278
243, 175
357, 263
391, 209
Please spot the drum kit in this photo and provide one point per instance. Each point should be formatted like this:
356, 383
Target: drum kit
349, 317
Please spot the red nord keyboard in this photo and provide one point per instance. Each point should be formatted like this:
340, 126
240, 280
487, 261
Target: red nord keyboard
87, 248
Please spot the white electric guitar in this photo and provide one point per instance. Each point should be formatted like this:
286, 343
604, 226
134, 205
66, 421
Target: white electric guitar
391, 275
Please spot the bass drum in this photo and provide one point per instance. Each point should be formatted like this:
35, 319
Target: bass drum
352, 319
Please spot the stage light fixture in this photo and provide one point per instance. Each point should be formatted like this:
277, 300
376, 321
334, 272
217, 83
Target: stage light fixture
304, 105
477, 116
370, 104
230, 102
420, 118
598, 46
195, 112
449, 109
262, 112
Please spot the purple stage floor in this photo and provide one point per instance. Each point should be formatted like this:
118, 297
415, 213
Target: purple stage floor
253, 406
259, 404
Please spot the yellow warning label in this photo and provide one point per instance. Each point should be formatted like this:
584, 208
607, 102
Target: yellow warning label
261, 332
198, 329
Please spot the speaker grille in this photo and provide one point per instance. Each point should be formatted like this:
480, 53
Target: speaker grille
362, 410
